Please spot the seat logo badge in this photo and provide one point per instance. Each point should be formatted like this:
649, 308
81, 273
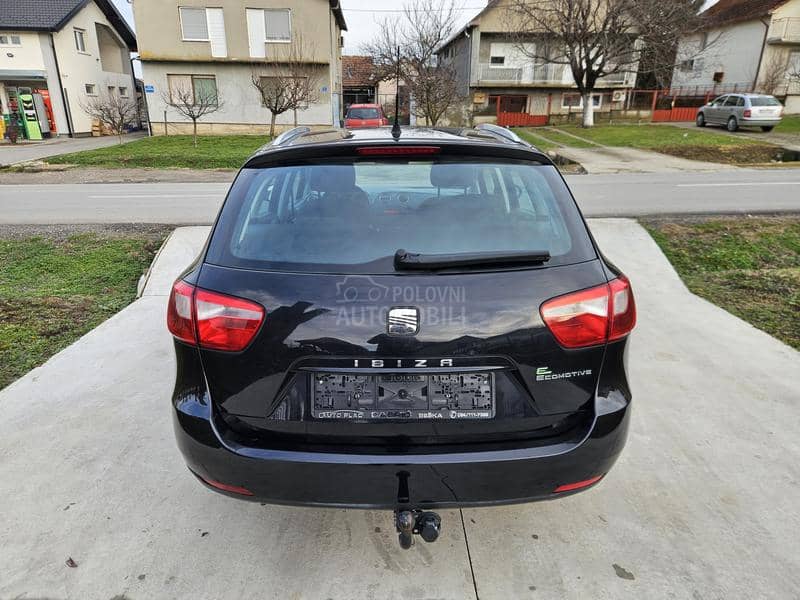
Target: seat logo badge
403, 321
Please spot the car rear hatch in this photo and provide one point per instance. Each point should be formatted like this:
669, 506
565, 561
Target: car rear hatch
358, 349
764, 108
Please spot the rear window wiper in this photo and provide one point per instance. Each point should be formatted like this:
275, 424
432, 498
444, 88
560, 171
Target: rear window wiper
404, 260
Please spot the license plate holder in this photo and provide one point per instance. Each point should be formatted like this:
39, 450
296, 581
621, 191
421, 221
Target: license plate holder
403, 396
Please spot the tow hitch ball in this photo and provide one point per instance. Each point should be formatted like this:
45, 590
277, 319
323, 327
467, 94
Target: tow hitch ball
409, 523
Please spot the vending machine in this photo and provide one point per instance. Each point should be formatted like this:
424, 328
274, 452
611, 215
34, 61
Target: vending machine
42, 114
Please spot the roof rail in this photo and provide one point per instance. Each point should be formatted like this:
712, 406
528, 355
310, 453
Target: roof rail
288, 136
502, 133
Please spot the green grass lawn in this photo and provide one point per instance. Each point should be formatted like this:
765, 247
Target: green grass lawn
789, 124
537, 138
541, 136
168, 152
667, 139
53, 290
653, 136
750, 266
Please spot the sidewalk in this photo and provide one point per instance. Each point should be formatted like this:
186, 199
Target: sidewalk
11, 154
608, 159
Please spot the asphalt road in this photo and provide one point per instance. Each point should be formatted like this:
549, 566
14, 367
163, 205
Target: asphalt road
702, 503
634, 194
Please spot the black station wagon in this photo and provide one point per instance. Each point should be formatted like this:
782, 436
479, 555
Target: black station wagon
407, 320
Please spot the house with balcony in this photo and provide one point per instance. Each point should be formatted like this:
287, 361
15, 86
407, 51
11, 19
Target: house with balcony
53, 56
216, 48
498, 76
745, 45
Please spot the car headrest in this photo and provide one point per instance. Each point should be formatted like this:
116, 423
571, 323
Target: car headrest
333, 178
452, 175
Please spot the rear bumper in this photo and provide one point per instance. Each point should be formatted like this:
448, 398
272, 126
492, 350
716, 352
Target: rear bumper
763, 122
376, 481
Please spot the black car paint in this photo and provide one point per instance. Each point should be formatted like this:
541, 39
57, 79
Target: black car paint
570, 430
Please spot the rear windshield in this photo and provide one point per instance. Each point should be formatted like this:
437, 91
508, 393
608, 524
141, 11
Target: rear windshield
764, 101
363, 113
352, 218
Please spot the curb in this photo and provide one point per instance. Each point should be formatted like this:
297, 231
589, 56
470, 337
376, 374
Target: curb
145, 278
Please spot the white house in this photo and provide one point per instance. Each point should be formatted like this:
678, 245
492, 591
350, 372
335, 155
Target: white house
745, 45
53, 54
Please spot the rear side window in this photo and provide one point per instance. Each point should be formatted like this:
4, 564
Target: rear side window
363, 113
353, 217
764, 101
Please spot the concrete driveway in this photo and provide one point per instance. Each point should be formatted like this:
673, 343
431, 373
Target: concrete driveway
703, 503
11, 154
599, 160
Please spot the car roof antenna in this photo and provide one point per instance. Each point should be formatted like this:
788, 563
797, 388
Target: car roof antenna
396, 126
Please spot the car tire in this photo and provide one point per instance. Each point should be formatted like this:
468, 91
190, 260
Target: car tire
768, 128
700, 121
733, 124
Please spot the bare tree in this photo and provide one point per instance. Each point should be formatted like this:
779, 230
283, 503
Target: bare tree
775, 74
599, 38
287, 80
420, 33
303, 85
191, 100
114, 111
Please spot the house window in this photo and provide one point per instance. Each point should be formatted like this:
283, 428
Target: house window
793, 69
719, 76
90, 88
194, 25
278, 25
497, 61
80, 39
10, 39
123, 91
576, 101
686, 65
200, 89
111, 89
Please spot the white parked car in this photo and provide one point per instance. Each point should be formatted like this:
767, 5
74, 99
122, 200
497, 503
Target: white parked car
742, 110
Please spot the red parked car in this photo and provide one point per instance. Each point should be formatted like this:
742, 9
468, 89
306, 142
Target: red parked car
365, 115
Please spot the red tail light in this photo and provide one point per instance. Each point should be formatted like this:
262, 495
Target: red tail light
748, 113
212, 320
398, 150
591, 317
180, 312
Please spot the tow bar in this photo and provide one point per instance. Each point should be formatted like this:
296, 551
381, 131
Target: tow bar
411, 522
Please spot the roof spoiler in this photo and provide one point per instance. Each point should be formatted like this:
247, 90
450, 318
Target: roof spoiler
288, 136
501, 133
